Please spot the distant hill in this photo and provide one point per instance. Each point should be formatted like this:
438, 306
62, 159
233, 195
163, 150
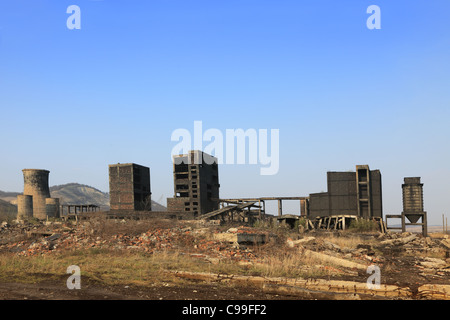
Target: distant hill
75, 193
6, 206
7, 211
10, 197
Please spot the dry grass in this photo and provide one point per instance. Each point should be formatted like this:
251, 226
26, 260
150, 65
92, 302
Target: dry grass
106, 266
121, 266
131, 267
295, 265
348, 241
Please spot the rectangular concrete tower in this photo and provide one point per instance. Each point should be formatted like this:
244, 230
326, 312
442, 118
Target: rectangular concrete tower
129, 187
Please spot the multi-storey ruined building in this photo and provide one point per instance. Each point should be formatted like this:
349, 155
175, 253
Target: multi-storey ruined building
196, 184
129, 187
349, 193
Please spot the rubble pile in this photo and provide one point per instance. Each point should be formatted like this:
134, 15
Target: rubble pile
423, 251
41, 240
362, 253
426, 255
413, 243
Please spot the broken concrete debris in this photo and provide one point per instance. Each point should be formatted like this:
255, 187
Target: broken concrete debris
336, 254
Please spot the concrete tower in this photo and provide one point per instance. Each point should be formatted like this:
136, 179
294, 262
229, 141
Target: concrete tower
24, 206
36, 185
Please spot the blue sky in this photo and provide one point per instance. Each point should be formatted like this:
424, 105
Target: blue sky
74, 101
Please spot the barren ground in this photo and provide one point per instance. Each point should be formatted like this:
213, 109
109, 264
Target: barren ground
136, 260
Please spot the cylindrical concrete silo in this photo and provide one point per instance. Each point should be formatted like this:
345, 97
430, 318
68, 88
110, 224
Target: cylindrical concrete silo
36, 185
52, 206
412, 191
24, 206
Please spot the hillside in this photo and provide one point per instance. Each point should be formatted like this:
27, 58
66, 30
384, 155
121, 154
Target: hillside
73, 193
6, 207
9, 197
8, 211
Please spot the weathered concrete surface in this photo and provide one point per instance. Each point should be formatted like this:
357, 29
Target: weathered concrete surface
52, 207
399, 241
255, 238
24, 206
293, 243
36, 185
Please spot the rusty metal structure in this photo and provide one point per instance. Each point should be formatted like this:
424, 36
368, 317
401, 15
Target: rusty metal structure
196, 184
129, 187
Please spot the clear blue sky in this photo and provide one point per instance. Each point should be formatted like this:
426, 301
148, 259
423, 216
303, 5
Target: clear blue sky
74, 101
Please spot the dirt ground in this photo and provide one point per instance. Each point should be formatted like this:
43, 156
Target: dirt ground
406, 260
90, 290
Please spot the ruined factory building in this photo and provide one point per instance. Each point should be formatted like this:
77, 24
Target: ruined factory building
129, 187
196, 184
349, 194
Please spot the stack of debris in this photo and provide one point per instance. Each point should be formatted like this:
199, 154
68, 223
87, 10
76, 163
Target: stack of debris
200, 243
413, 243
342, 257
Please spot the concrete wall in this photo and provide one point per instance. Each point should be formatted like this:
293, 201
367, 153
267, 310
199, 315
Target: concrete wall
319, 205
377, 193
342, 192
52, 207
342, 196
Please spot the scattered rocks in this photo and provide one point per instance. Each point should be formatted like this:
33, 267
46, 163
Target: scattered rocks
446, 243
433, 263
398, 241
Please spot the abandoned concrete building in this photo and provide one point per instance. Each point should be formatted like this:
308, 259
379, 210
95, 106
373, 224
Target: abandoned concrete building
129, 187
196, 184
35, 200
350, 194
